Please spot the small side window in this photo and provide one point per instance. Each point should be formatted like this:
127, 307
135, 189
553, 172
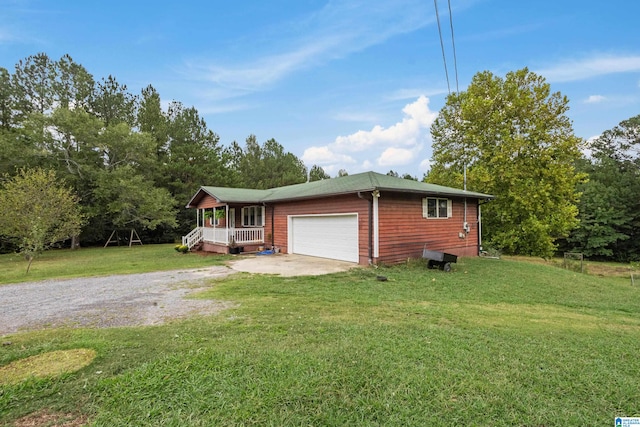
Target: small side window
433, 207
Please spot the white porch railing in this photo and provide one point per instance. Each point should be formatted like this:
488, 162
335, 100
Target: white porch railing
215, 235
223, 236
249, 235
193, 238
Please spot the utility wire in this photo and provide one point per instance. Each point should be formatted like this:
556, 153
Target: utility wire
453, 43
444, 58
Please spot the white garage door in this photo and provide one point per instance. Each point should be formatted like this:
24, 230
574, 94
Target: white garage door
326, 236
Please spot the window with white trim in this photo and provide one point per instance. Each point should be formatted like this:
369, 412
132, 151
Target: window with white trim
211, 216
253, 216
433, 207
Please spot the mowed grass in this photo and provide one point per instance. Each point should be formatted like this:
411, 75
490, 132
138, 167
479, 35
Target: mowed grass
494, 343
65, 263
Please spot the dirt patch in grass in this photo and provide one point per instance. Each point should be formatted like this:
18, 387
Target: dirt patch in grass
605, 269
611, 270
46, 365
51, 419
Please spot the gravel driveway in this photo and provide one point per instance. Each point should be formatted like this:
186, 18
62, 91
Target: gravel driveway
121, 300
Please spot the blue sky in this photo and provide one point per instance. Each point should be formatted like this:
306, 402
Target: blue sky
346, 84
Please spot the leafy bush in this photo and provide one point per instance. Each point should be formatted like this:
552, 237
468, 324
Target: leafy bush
182, 248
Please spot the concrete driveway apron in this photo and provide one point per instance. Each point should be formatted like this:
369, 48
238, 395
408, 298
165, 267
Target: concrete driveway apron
290, 265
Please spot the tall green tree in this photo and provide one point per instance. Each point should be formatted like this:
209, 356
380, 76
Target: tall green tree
192, 157
108, 143
622, 143
34, 81
7, 101
30, 99
15, 150
265, 166
73, 87
316, 173
193, 151
112, 167
516, 141
113, 103
280, 167
610, 207
72, 140
37, 210
128, 201
602, 214
152, 120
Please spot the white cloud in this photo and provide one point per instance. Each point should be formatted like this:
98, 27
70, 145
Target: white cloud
425, 165
573, 70
324, 156
594, 99
366, 165
396, 145
266, 70
586, 150
417, 118
394, 156
337, 30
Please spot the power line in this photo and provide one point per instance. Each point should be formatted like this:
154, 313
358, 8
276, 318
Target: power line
444, 58
453, 43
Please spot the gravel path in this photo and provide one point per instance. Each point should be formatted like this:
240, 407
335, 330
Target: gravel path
122, 300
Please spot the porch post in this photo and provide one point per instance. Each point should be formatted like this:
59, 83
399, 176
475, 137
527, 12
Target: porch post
226, 223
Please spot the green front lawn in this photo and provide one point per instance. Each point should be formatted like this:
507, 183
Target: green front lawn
494, 343
65, 263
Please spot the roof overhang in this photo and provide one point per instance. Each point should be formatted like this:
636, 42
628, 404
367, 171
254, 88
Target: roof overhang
354, 184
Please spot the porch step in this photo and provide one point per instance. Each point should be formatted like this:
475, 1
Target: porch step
193, 238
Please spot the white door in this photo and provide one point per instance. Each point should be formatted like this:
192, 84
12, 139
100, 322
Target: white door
325, 236
232, 218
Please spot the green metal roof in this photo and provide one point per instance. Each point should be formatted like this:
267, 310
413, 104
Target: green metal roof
229, 195
366, 181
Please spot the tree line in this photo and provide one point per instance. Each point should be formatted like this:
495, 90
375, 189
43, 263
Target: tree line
609, 206
511, 137
131, 162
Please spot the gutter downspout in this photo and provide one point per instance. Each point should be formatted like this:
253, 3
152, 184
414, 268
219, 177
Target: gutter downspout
369, 240
376, 223
479, 227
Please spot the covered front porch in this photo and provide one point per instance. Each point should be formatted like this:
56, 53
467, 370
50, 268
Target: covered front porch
216, 229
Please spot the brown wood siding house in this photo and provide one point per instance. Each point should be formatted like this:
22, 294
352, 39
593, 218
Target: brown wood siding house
366, 218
